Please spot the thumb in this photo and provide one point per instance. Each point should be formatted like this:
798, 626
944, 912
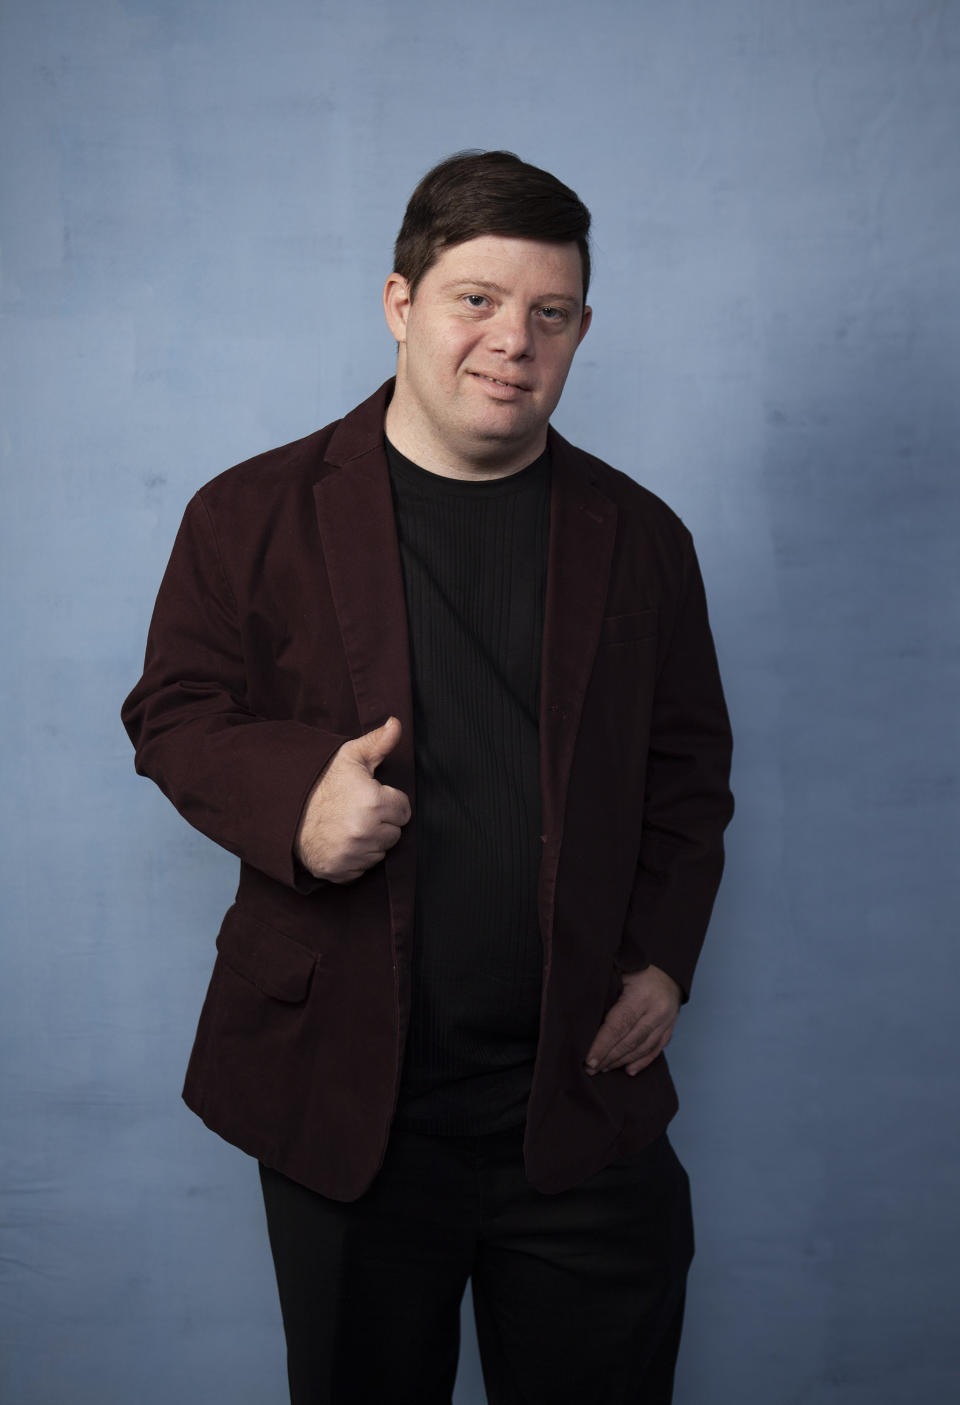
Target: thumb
373, 747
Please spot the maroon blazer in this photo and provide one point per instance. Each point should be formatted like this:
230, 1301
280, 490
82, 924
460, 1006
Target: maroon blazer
279, 632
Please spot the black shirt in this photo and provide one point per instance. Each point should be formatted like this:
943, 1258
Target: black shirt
474, 558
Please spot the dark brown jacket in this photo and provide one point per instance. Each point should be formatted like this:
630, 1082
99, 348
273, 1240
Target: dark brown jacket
279, 632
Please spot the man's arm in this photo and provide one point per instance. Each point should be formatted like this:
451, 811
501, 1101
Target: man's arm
276, 793
687, 806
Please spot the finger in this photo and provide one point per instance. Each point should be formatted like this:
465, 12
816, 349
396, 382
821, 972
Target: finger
625, 1020
633, 1051
346, 875
637, 1065
634, 1042
388, 835
640, 1048
610, 1033
394, 805
356, 864
650, 1020
599, 1056
639, 1036
645, 1052
373, 747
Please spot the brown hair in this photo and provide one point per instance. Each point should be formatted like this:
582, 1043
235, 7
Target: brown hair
487, 192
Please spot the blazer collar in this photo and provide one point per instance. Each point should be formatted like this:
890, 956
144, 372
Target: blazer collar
360, 433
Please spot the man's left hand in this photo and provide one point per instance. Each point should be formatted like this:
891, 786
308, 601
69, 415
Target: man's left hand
639, 1025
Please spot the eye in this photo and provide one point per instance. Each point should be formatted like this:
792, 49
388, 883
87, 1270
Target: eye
476, 300
554, 314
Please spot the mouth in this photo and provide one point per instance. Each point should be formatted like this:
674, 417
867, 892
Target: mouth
496, 380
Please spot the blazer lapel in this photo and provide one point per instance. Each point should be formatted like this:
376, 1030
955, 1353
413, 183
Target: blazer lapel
362, 556
583, 524
355, 515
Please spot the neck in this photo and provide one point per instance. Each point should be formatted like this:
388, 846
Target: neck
475, 463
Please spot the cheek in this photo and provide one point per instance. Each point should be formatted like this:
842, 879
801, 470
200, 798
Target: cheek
445, 353
563, 367
556, 374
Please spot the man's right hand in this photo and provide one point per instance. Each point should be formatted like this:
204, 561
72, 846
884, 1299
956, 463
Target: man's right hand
350, 820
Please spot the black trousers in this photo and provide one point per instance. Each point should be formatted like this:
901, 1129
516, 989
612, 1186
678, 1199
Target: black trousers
578, 1297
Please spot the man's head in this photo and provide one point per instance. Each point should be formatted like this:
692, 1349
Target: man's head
487, 306
487, 192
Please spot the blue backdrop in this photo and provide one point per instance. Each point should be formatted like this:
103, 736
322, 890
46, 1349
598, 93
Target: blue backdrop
200, 202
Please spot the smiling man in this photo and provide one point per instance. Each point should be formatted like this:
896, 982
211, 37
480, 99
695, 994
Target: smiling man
445, 684
484, 351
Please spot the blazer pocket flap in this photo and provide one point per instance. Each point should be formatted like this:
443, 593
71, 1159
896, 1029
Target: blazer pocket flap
273, 962
620, 629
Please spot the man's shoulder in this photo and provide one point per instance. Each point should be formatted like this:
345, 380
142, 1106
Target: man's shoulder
631, 498
300, 464
275, 470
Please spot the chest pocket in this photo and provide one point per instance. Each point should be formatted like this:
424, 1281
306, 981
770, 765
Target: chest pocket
625, 629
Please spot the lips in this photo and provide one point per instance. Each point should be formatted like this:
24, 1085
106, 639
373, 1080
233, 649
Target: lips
496, 380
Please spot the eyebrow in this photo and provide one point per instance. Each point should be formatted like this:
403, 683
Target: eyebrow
496, 288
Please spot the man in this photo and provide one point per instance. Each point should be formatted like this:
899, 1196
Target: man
446, 686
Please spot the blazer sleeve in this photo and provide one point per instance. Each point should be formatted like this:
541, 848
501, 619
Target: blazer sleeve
240, 778
687, 801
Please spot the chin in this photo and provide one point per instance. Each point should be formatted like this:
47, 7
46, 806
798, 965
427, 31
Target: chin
504, 430
491, 442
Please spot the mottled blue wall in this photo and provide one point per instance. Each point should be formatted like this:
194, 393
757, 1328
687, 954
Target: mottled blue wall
200, 198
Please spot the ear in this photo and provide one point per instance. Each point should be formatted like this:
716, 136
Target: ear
585, 321
396, 305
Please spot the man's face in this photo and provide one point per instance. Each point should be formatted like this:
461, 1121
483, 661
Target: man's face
485, 347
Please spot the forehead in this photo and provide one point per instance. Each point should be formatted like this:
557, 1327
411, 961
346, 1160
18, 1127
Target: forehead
531, 266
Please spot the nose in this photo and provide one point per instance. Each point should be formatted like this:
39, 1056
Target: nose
512, 333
